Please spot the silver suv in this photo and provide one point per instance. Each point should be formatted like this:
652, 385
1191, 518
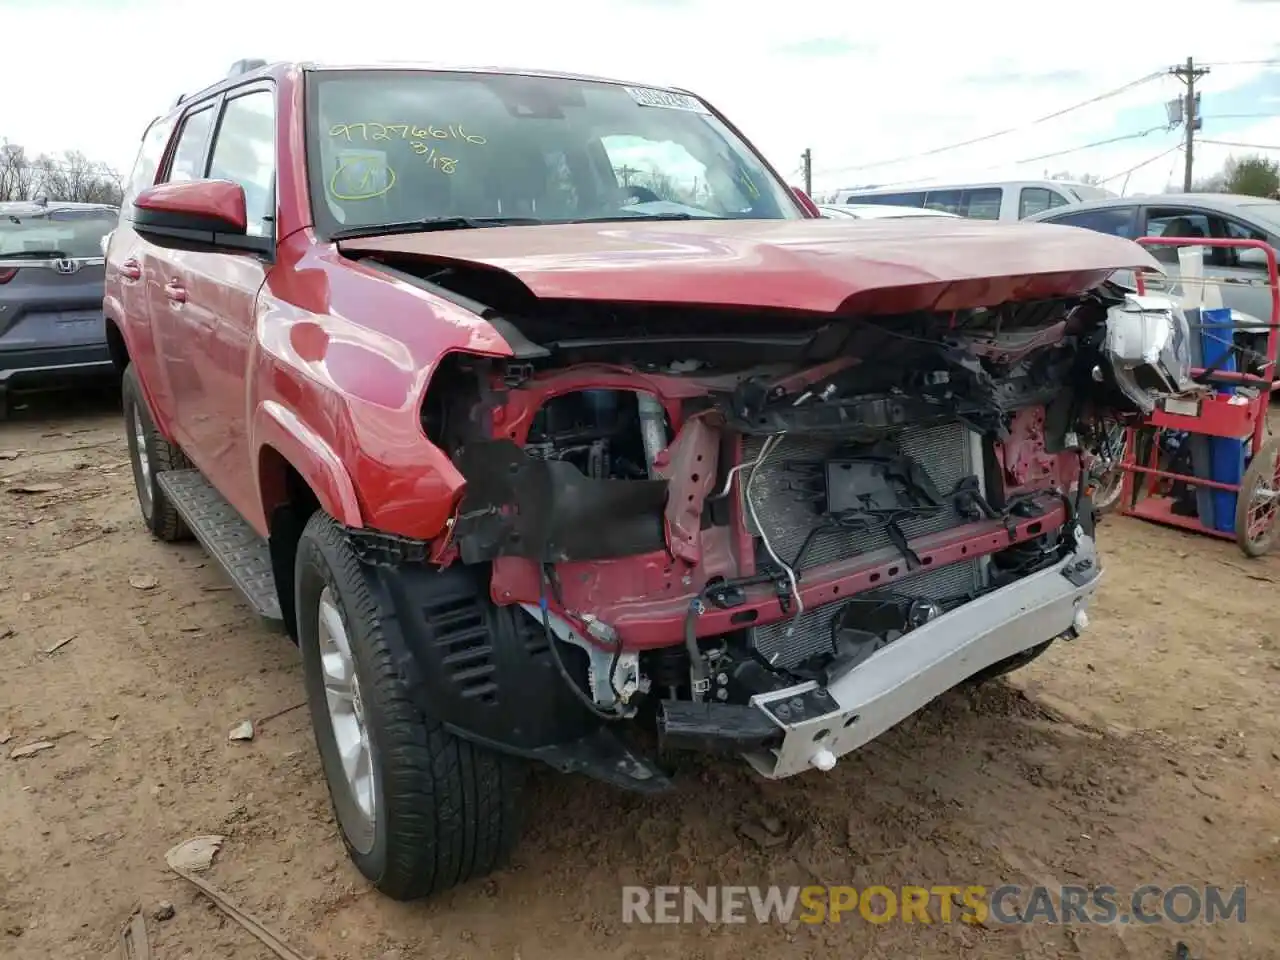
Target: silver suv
51, 286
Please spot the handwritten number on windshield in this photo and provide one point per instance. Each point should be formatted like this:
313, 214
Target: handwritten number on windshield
367, 130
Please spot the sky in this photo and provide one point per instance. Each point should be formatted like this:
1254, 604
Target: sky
866, 88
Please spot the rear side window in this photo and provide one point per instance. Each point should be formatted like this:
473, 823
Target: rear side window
188, 158
1035, 200
890, 199
58, 234
149, 156
982, 204
1116, 221
245, 153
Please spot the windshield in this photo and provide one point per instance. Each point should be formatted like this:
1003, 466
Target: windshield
389, 146
55, 233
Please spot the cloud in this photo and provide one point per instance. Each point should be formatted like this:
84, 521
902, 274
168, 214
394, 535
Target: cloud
822, 47
903, 82
1049, 78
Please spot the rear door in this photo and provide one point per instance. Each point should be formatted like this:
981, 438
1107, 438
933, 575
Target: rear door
51, 282
126, 298
174, 326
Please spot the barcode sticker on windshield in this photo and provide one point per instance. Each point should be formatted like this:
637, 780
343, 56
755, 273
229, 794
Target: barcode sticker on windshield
648, 97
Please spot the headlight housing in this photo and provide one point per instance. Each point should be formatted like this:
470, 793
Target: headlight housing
1148, 347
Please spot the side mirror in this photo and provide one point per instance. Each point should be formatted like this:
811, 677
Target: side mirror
806, 203
196, 214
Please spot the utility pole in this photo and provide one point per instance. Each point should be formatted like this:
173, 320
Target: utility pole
1188, 74
806, 163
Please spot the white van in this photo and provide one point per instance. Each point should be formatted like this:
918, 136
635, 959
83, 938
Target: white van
1006, 200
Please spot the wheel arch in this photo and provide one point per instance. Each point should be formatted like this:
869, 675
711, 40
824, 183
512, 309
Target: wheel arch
297, 475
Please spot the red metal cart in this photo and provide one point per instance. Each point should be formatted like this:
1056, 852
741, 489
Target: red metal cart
1237, 417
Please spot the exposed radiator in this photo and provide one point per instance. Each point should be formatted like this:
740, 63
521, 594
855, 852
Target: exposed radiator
948, 453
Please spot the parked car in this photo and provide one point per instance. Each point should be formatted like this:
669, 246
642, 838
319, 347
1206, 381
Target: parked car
524, 459
873, 211
1009, 200
1242, 273
51, 285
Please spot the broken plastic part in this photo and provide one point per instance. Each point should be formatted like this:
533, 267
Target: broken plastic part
1148, 346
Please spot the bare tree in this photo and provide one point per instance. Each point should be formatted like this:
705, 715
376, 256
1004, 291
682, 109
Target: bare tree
69, 176
18, 176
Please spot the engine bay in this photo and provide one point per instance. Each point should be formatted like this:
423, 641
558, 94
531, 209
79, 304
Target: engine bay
709, 520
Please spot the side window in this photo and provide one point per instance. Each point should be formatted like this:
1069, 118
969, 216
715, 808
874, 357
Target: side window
149, 156
1178, 223
947, 201
983, 204
1034, 200
1249, 258
188, 158
1057, 200
244, 152
889, 199
1117, 221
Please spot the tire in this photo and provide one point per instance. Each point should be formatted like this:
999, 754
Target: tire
1258, 501
1009, 664
444, 810
150, 455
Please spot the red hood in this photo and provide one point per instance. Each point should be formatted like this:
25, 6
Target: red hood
869, 266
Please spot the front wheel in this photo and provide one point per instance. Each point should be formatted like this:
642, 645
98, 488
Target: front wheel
419, 809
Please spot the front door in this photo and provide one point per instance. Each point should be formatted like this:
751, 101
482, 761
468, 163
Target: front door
218, 296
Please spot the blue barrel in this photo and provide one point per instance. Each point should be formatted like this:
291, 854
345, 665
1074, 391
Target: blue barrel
1226, 456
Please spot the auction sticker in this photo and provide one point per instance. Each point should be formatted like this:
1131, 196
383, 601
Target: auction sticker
648, 97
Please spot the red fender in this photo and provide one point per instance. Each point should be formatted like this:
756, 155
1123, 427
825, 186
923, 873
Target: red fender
279, 428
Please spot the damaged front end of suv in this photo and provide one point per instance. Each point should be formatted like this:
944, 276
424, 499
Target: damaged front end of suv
773, 535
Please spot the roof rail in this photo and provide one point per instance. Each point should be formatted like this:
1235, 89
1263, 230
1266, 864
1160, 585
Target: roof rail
245, 66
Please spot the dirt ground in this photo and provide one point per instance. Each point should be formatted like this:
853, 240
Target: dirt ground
1145, 752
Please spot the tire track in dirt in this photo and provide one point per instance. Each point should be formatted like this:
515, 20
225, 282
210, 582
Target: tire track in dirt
1142, 753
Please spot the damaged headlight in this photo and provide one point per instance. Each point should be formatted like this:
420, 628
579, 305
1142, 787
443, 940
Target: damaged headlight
1148, 347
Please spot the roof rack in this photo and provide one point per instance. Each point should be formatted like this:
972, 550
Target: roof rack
245, 66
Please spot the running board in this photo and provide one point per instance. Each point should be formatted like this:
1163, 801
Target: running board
228, 538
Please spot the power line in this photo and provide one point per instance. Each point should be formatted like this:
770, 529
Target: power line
1139, 166
1244, 63
1000, 133
1242, 116
1036, 159
1096, 143
1247, 146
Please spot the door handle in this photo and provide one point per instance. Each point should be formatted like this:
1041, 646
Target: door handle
131, 269
175, 291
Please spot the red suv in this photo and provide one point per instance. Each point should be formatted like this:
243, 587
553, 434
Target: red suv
545, 418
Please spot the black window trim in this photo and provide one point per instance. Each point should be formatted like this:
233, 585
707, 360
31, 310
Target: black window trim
214, 104
264, 247
243, 90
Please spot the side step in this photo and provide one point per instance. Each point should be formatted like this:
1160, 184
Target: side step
228, 538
